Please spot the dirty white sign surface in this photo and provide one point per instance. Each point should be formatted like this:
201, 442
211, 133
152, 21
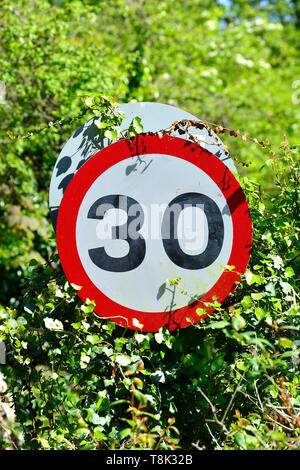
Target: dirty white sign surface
143, 211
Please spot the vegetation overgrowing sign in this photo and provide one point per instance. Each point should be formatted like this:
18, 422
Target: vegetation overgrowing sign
86, 141
143, 210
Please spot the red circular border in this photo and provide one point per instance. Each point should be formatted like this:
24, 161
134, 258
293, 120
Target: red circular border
140, 145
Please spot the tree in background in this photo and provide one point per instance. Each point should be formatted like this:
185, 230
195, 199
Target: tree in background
233, 63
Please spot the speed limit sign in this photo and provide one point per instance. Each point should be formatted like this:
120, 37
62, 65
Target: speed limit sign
143, 212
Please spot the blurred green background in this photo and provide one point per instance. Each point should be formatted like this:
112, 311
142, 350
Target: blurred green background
235, 63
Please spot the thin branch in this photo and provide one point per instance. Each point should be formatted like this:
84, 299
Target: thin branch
258, 396
10, 439
213, 409
232, 398
213, 437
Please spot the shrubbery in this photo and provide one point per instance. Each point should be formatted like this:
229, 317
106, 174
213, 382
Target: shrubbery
230, 381
77, 382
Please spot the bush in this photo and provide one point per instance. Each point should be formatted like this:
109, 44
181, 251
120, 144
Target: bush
229, 381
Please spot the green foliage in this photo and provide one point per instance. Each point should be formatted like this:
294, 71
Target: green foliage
227, 382
217, 62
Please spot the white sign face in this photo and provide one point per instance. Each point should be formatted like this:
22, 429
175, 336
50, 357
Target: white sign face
86, 142
159, 180
149, 209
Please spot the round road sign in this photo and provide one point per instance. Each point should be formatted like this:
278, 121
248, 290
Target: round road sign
146, 210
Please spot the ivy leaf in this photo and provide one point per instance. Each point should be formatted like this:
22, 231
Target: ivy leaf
111, 134
98, 434
259, 313
286, 287
159, 337
96, 419
123, 360
158, 376
52, 324
289, 272
256, 295
140, 338
76, 287
253, 278
240, 440
277, 260
33, 262
125, 433
101, 124
137, 125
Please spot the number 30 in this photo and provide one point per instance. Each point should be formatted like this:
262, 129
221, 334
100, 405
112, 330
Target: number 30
137, 245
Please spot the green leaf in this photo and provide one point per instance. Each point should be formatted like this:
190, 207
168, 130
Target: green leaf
256, 295
277, 260
53, 324
241, 365
45, 443
125, 433
158, 376
246, 301
172, 407
98, 434
285, 342
137, 381
119, 402
259, 313
189, 360
93, 339
137, 125
33, 262
123, 360
218, 324
75, 286
240, 440
289, 272
159, 337
286, 287
249, 277
101, 124
111, 134
96, 419
239, 323
140, 397
253, 278
140, 338
217, 363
